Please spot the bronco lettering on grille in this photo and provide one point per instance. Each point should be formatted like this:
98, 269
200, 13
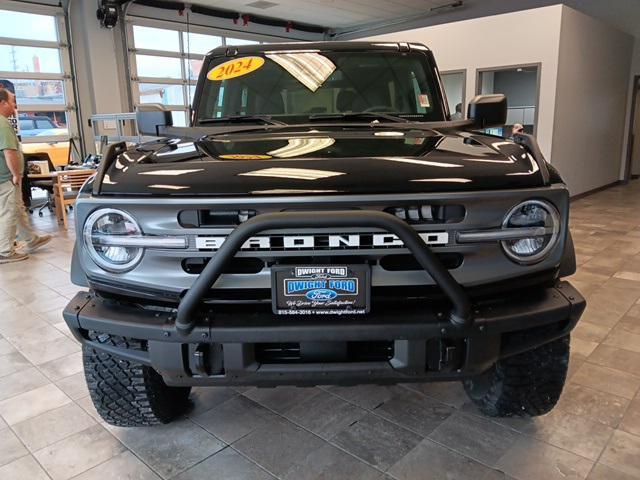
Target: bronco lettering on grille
322, 242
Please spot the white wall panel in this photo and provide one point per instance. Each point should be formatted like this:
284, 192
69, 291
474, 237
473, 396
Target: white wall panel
591, 101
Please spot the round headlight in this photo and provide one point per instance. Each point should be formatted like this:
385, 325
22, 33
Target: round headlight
103, 225
543, 220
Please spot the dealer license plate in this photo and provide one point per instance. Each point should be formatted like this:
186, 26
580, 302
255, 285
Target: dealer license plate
321, 289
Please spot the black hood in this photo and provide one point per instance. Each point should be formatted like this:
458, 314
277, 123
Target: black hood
349, 161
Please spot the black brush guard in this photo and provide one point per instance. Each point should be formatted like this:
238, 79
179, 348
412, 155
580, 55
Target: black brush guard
460, 316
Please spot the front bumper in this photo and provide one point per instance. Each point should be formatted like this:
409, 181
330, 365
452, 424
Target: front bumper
228, 348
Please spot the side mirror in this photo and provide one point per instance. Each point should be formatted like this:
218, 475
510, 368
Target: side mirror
151, 118
488, 110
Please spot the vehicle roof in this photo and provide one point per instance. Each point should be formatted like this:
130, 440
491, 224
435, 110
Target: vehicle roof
333, 46
22, 116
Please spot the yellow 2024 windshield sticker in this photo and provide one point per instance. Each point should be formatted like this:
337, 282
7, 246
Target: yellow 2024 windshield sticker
235, 68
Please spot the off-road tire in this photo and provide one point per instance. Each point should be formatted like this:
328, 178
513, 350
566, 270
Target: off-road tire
126, 393
527, 384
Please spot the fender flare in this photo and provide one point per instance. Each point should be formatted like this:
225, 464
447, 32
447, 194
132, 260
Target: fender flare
568, 262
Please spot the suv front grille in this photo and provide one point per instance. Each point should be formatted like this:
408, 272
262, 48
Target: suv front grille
414, 214
204, 218
406, 263
254, 265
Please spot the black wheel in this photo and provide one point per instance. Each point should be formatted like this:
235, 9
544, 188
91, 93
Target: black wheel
128, 394
527, 384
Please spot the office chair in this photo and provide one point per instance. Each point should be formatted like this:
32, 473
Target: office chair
45, 184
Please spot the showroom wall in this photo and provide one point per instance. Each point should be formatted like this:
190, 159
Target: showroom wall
526, 37
635, 70
591, 101
585, 71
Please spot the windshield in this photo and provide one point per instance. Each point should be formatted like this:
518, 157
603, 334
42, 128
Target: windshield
296, 87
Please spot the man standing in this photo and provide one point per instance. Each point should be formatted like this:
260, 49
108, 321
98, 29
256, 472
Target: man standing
13, 215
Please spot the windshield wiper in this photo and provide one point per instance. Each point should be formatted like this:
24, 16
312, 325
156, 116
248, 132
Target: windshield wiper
242, 119
356, 115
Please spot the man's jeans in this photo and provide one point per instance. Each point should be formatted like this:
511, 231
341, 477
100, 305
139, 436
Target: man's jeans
13, 219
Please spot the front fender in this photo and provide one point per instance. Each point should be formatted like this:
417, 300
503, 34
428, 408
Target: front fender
78, 276
568, 262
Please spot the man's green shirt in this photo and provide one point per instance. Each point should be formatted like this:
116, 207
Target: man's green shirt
8, 141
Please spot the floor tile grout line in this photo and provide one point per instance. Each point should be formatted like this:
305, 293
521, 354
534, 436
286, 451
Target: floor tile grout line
613, 368
485, 418
37, 366
613, 431
61, 438
254, 462
127, 449
423, 437
226, 445
29, 280
27, 454
316, 435
392, 421
35, 459
135, 454
277, 414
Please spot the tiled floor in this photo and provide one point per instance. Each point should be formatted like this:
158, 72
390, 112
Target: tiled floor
49, 429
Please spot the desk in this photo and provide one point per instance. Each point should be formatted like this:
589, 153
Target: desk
42, 176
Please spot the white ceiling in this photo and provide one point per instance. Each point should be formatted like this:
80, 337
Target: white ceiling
330, 13
347, 14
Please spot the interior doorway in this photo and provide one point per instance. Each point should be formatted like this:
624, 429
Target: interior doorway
633, 143
521, 85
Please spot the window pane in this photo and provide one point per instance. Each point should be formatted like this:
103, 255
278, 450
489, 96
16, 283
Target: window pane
521, 89
179, 119
33, 140
34, 92
164, 94
193, 67
25, 124
38, 124
240, 41
156, 39
454, 88
28, 26
199, 43
29, 59
162, 67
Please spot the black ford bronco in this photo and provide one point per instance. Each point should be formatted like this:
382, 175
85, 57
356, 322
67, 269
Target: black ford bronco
323, 221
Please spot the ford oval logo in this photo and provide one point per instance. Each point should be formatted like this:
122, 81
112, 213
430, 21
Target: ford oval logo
321, 294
